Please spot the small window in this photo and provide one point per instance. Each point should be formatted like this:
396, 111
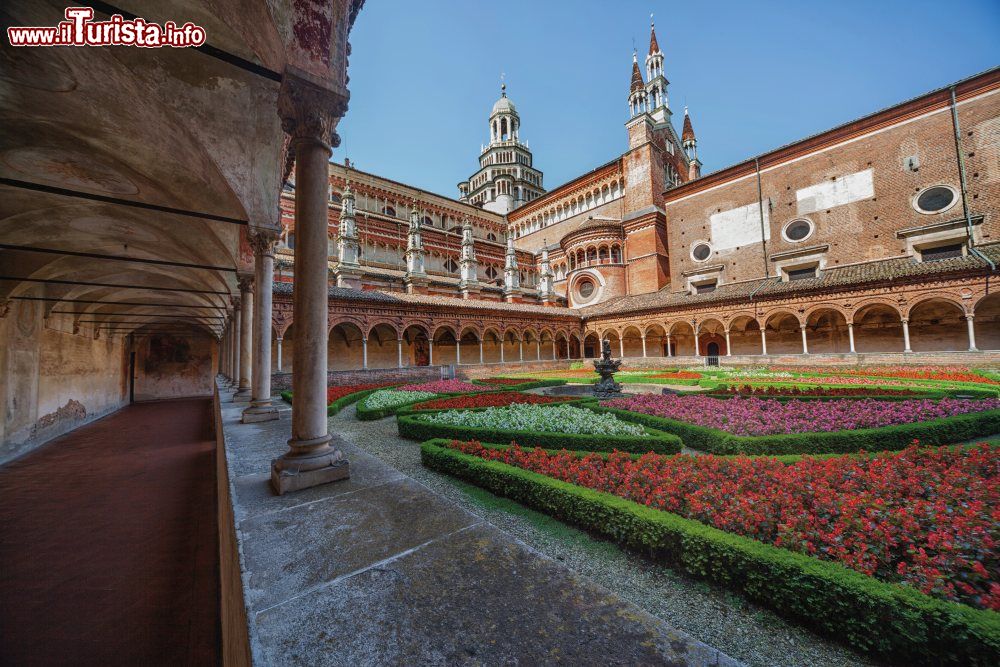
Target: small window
491, 237
705, 288
427, 221
451, 266
935, 199
586, 288
390, 211
802, 274
942, 252
798, 230
701, 251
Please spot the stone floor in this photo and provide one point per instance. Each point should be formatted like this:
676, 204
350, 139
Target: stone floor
108, 543
379, 569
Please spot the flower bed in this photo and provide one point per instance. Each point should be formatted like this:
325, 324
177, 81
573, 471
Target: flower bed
982, 419
808, 391
519, 384
757, 416
493, 399
549, 426
892, 621
677, 375
339, 397
384, 402
444, 387
938, 373
508, 382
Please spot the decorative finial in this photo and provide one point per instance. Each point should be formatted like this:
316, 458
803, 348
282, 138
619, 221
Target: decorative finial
633, 55
685, 109
651, 19
503, 85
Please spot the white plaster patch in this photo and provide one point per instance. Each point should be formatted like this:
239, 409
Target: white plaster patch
839, 191
739, 226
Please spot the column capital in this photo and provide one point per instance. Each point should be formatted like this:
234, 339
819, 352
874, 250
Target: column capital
245, 283
970, 316
308, 109
263, 241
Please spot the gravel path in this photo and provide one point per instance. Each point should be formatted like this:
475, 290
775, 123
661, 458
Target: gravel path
718, 618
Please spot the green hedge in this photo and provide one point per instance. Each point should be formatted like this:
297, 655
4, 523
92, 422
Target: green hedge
343, 401
944, 431
409, 409
893, 622
412, 427
535, 384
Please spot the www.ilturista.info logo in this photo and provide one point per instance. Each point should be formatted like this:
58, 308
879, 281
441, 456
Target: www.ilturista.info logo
79, 29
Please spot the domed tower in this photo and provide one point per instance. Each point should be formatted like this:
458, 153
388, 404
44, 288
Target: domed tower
506, 178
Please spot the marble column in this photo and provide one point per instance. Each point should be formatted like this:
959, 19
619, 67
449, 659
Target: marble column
972, 333
260, 409
501, 351
520, 349
729, 348
278, 350
399, 353
696, 328
309, 113
670, 352
244, 392
223, 352
621, 346
480, 351
643, 346
906, 335
364, 352
763, 342
235, 338
850, 335
805, 345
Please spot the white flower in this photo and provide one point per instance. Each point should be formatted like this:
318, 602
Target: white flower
544, 418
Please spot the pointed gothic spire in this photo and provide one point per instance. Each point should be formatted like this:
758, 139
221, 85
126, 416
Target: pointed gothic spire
687, 134
546, 288
348, 249
653, 46
414, 245
511, 276
637, 83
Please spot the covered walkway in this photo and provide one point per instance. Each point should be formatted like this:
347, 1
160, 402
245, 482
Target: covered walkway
108, 543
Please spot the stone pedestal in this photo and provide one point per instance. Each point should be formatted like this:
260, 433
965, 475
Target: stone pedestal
416, 284
288, 477
349, 277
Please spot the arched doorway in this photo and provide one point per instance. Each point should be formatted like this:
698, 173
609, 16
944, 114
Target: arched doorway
712, 349
711, 331
416, 346
987, 322
744, 336
345, 349
383, 350
592, 346
878, 328
826, 332
938, 325
784, 336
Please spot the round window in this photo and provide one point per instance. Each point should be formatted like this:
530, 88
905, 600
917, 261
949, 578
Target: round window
935, 199
798, 230
586, 288
701, 251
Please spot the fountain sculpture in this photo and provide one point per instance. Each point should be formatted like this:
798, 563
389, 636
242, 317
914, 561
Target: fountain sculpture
606, 366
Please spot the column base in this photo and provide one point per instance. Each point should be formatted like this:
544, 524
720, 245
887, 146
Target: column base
259, 413
292, 473
242, 395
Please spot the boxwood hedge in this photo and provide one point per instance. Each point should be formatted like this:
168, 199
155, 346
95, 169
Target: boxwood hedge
893, 622
342, 402
413, 427
944, 431
524, 386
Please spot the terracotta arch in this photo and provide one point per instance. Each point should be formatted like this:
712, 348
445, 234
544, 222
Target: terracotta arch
826, 330
937, 324
744, 334
632, 341
987, 322
711, 337
345, 346
784, 332
656, 339
383, 346
878, 327
680, 335
416, 344
592, 345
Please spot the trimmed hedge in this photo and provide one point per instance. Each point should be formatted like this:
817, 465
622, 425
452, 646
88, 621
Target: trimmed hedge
944, 431
412, 427
893, 622
524, 386
410, 410
343, 401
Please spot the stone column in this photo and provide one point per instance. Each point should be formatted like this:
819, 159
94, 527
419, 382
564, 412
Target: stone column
502, 341
260, 408
972, 333
235, 353
850, 336
224, 352
906, 335
309, 113
520, 349
480, 351
399, 353
643, 345
621, 346
729, 348
458, 351
430, 352
805, 345
669, 351
763, 342
244, 392
696, 330
278, 350
538, 348
555, 350
364, 352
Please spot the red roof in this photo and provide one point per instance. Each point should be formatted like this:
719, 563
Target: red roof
637, 82
653, 46
687, 134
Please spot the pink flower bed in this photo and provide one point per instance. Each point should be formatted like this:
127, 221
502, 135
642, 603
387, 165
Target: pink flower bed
445, 387
757, 416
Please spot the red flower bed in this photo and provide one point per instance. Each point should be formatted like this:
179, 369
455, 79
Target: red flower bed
498, 399
679, 375
750, 390
335, 393
928, 518
943, 373
507, 382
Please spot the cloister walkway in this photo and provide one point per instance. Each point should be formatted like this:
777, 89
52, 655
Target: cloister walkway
108, 543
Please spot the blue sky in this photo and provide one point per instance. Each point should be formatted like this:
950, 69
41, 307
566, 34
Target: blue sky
756, 75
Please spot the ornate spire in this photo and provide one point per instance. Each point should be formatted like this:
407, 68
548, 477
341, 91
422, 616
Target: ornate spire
511, 276
348, 249
653, 46
637, 83
546, 288
687, 134
467, 264
414, 245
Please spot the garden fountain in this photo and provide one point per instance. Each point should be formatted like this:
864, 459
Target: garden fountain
606, 366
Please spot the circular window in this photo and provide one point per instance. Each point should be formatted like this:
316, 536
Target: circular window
701, 251
585, 288
935, 199
798, 230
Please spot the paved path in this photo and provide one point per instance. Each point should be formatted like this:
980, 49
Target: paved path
379, 569
108, 548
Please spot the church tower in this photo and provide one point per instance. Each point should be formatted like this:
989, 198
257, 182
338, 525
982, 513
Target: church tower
506, 178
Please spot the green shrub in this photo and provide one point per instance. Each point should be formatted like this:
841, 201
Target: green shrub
412, 427
895, 623
945, 431
524, 386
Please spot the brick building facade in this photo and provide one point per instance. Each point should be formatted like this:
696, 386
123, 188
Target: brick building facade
878, 236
